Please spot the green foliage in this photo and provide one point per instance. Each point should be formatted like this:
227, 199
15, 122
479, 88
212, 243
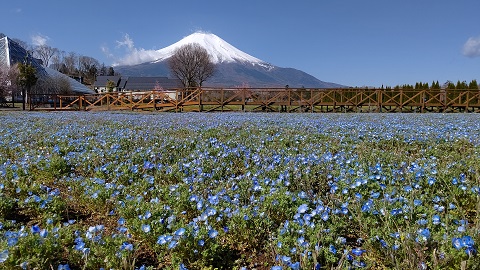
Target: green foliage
27, 76
473, 85
110, 86
461, 85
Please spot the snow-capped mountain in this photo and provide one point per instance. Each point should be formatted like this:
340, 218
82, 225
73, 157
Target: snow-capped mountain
233, 66
219, 50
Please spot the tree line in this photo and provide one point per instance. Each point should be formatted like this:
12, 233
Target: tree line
460, 85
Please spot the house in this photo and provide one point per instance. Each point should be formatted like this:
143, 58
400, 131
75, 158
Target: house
136, 84
100, 85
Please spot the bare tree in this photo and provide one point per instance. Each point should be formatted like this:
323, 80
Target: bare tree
57, 61
88, 68
192, 65
8, 77
45, 53
70, 62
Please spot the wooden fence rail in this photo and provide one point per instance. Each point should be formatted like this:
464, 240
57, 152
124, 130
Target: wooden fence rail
269, 99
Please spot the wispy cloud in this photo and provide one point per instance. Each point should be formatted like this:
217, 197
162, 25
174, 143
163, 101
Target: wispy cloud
130, 55
471, 48
39, 40
106, 51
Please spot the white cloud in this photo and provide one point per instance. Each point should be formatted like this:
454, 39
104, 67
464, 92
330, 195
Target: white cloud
131, 55
106, 51
39, 40
471, 48
126, 42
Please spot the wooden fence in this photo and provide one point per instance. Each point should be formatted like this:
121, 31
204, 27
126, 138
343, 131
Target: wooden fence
269, 100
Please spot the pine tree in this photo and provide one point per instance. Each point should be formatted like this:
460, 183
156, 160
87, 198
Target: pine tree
473, 85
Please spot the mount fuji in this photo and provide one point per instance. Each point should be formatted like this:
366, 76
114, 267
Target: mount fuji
233, 67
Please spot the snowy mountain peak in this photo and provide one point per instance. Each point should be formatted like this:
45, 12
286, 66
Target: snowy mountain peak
219, 50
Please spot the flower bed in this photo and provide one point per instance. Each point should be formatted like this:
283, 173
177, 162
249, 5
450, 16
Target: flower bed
239, 191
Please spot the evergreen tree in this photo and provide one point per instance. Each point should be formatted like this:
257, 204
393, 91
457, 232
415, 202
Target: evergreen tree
473, 85
111, 71
450, 85
461, 85
26, 79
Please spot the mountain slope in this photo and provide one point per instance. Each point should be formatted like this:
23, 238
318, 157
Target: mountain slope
233, 67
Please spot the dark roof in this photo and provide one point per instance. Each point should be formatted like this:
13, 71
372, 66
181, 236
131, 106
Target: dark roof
101, 81
150, 83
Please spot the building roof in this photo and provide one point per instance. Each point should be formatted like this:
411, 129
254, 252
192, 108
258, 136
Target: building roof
101, 81
151, 83
139, 83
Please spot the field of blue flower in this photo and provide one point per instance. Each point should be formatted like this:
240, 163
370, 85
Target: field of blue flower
112, 190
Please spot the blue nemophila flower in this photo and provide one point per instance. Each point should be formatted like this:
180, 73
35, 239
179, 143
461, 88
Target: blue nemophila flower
146, 228
35, 229
383, 243
467, 241
172, 244
436, 219
126, 246
43, 233
210, 211
294, 266
201, 242
286, 259
212, 233
439, 208
423, 235
3, 256
79, 244
163, 239
121, 221
302, 209
324, 216
276, 268
358, 251
395, 235
12, 241
63, 267
457, 243
180, 232
367, 206
422, 221
417, 202
395, 212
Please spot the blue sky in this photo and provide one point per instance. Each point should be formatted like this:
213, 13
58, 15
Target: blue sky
351, 42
